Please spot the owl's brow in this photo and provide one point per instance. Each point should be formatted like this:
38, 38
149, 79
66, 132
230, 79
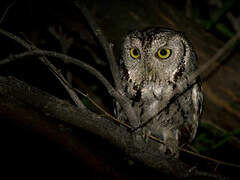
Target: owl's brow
161, 44
138, 38
151, 40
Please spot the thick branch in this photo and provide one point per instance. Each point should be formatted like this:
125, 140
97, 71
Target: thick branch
83, 118
124, 102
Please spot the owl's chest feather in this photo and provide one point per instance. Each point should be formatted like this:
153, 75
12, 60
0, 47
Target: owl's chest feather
152, 94
149, 92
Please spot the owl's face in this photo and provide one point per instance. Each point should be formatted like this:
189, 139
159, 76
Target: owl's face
157, 55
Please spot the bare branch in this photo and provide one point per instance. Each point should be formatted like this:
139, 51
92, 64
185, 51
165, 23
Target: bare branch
235, 21
108, 47
61, 110
104, 43
146, 153
6, 11
197, 154
220, 53
96, 58
52, 68
64, 41
102, 110
67, 59
123, 100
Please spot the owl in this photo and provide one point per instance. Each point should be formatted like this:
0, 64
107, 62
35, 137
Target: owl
154, 63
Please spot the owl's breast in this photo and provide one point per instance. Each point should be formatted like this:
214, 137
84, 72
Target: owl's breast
155, 91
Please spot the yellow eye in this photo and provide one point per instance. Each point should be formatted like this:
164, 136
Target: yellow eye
134, 52
163, 53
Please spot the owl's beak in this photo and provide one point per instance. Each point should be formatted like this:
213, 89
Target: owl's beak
150, 71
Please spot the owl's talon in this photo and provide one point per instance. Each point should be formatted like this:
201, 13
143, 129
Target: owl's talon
145, 134
171, 147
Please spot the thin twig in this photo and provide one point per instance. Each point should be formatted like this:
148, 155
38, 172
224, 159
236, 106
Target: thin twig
101, 109
95, 57
231, 94
235, 21
64, 41
67, 59
218, 162
221, 102
220, 53
108, 47
196, 154
6, 11
121, 98
44, 60
104, 43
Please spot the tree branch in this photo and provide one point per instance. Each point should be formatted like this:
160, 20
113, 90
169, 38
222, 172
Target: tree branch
103, 42
52, 68
67, 59
108, 47
53, 107
6, 11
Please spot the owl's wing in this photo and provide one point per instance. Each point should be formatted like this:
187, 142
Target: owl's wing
197, 98
188, 130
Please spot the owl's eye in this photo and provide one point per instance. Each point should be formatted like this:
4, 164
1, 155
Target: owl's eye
163, 53
134, 52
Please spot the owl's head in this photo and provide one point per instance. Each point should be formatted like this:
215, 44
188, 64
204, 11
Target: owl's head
157, 55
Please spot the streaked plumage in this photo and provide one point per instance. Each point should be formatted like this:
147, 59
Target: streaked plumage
153, 62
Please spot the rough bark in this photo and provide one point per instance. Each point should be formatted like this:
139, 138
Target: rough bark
58, 109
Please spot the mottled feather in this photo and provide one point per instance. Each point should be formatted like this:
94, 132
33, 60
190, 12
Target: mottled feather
149, 80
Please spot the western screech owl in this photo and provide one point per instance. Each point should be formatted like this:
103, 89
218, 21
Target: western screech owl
153, 63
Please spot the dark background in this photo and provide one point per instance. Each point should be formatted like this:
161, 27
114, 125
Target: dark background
208, 24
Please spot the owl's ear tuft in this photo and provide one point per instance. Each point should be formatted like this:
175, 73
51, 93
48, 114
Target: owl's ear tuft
134, 34
180, 33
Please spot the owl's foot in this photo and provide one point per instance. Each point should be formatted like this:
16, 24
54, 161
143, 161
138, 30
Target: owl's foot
170, 147
142, 135
171, 143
